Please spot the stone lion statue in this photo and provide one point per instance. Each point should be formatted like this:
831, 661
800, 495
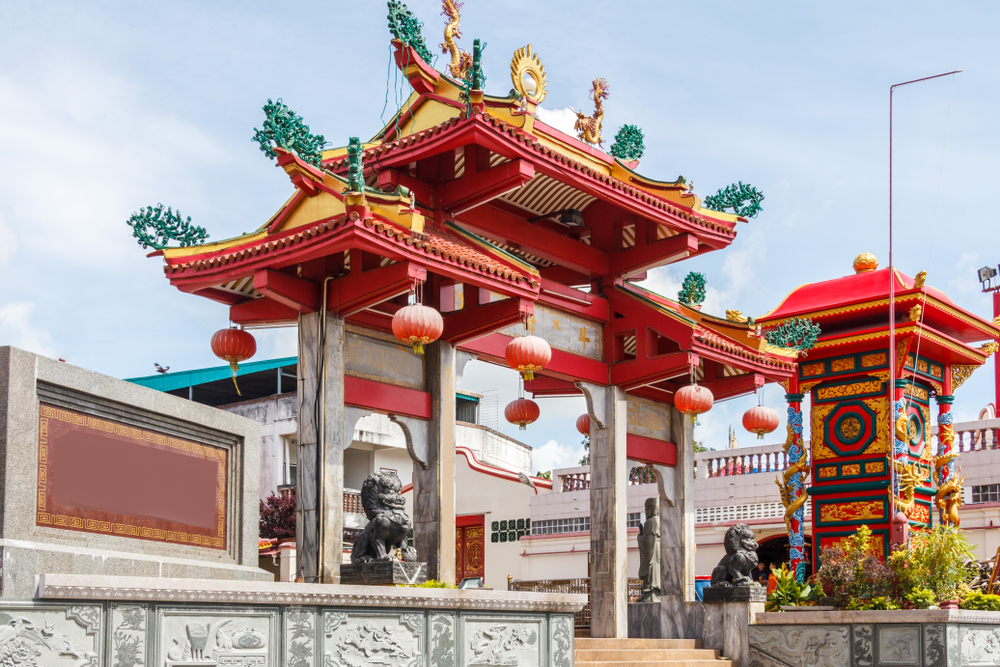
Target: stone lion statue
388, 524
740, 559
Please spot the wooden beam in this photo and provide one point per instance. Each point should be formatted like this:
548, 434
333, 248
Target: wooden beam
503, 227
564, 365
387, 398
262, 311
220, 295
475, 321
390, 179
573, 301
302, 295
475, 188
650, 450
543, 385
359, 290
645, 256
736, 385
643, 370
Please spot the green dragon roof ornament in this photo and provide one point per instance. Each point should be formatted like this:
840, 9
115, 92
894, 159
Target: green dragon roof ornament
405, 27
693, 290
796, 334
283, 128
628, 143
155, 227
744, 199
355, 168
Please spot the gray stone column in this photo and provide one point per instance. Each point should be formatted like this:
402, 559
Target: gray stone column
320, 482
677, 541
608, 512
434, 485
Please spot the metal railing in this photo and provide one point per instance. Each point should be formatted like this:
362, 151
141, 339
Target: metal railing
579, 480
581, 585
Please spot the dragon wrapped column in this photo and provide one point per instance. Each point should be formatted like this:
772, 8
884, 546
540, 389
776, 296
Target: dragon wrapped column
792, 485
949, 485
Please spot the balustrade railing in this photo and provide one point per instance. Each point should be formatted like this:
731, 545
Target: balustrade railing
579, 480
581, 585
352, 502
975, 436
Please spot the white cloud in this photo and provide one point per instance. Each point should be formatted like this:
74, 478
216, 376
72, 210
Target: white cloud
554, 455
17, 330
563, 120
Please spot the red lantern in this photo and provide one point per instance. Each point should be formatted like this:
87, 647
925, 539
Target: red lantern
418, 325
693, 399
583, 423
528, 354
522, 412
233, 345
760, 420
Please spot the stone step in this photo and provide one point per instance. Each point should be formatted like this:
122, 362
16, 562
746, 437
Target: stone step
595, 643
664, 654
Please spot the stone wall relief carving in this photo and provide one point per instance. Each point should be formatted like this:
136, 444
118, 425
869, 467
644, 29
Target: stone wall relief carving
300, 637
35, 635
128, 635
816, 646
899, 645
192, 638
495, 641
442, 639
359, 640
864, 645
935, 653
980, 646
561, 642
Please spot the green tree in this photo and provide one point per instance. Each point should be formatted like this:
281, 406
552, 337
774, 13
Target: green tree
585, 461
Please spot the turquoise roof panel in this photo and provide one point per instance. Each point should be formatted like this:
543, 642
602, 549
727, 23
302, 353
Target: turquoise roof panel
193, 378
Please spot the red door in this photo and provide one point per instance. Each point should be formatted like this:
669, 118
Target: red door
470, 554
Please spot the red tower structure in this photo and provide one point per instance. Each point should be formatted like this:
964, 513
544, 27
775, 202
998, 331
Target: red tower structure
861, 475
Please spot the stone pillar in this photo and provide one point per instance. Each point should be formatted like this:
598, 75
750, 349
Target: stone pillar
434, 486
608, 513
677, 541
319, 512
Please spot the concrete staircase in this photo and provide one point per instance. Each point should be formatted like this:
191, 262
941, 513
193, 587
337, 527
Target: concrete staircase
645, 653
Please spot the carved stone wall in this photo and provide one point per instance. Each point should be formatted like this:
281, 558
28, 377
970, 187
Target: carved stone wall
141, 634
949, 644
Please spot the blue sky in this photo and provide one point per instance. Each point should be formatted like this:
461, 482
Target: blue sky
110, 106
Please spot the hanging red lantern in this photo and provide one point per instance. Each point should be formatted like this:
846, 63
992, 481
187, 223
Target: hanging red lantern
760, 420
417, 325
694, 399
528, 354
522, 412
234, 345
583, 423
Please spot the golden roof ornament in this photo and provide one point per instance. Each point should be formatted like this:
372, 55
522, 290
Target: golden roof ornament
865, 263
735, 316
528, 75
919, 279
588, 128
915, 313
989, 348
461, 61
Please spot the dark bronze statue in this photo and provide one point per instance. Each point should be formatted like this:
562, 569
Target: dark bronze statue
741, 558
388, 524
649, 552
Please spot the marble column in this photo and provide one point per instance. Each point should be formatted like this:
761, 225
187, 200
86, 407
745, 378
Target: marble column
434, 485
677, 541
608, 512
319, 512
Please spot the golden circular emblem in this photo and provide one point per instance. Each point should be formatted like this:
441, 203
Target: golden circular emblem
528, 75
850, 428
474, 556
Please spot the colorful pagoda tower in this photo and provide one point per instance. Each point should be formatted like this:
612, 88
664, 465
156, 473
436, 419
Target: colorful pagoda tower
470, 205
873, 462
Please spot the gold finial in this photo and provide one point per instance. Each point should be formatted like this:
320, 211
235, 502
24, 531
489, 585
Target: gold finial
915, 313
918, 280
865, 262
528, 75
735, 316
989, 348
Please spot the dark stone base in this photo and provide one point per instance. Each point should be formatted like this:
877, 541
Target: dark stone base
751, 593
383, 573
644, 620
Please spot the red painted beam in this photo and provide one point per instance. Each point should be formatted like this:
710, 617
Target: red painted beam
564, 365
390, 179
650, 450
387, 398
573, 301
645, 256
476, 188
640, 371
363, 289
475, 321
220, 295
503, 227
734, 386
640, 315
297, 293
262, 311
549, 386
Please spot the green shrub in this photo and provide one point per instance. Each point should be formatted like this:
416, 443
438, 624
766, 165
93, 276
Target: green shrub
788, 592
981, 602
433, 583
938, 557
921, 598
880, 603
